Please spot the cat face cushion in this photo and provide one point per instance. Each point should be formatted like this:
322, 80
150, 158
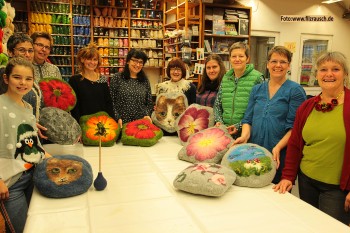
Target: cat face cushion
63, 176
169, 106
208, 179
252, 163
194, 119
140, 133
208, 145
62, 128
99, 124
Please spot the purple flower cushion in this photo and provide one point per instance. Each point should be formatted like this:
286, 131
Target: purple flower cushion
208, 179
194, 119
252, 163
208, 145
169, 106
63, 176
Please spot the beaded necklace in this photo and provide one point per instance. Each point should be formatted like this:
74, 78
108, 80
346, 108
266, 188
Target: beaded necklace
326, 107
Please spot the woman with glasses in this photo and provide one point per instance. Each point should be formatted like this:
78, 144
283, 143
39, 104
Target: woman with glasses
131, 90
43, 42
176, 71
269, 118
90, 87
210, 81
236, 85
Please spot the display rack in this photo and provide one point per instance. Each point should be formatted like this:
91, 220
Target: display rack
182, 19
223, 26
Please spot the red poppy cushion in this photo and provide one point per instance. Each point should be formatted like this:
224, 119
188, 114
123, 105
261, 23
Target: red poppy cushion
58, 93
194, 119
99, 124
252, 163
140, 133
208, 145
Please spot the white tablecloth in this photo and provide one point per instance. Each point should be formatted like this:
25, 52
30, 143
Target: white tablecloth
140, 197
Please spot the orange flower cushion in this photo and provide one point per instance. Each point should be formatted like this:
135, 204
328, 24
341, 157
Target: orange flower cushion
99, 124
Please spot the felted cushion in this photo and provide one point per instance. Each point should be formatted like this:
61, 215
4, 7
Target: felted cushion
252, 163
63, 176
99, 123
207, 179
208, 145
169, 106
140, 133
58, 93
194, 119
62, 128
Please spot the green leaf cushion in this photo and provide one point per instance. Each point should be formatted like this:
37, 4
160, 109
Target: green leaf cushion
252, 163
169, 106
63, 176
208, 145
57, 93
62, 128
208, 179
140, 133
194, 119
101, 122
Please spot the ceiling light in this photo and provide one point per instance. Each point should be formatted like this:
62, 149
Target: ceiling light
331, 1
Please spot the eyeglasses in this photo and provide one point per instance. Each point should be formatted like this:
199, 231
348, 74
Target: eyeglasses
23, 51
41, 46
136, 61
176, 69
275, 62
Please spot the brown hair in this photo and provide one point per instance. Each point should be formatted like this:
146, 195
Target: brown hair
45, 35
88, 52
240, 45
178, 63
280, 50
205, 79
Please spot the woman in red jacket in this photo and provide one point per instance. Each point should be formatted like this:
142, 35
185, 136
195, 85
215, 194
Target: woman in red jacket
319, 147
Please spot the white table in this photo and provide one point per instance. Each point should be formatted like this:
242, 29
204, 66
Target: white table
140, 197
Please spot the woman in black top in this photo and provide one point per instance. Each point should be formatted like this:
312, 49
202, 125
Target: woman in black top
131, 89
91, 88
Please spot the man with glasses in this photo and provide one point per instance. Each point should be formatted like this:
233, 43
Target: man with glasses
43, 42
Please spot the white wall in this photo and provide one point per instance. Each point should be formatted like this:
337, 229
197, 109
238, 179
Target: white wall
266, 18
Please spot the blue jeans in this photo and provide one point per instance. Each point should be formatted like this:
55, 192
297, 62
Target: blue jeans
18, 202
328, 198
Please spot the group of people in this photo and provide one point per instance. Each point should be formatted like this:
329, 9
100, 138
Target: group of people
307, 138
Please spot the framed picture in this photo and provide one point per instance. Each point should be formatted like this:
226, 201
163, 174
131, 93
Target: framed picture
243, 27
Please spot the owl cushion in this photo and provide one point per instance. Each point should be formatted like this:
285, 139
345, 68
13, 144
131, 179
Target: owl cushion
169, 106
99, 124
63, 176
194, 119
140, 133
62, 128
208, 179
208, 145
252, 163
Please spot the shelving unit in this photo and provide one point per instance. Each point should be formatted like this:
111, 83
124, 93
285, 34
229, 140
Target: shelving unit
223, 26
181, 19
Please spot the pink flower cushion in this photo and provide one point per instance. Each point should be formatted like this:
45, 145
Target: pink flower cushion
194, 119
208, 179
169, 106
208, 146
252, 163
140, 133
57, 93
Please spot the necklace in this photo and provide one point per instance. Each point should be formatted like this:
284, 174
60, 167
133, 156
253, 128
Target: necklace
326, 107
92, 80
